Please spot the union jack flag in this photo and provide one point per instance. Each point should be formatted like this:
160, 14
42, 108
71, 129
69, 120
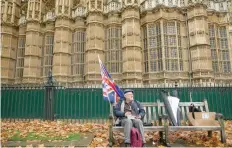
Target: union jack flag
111, 92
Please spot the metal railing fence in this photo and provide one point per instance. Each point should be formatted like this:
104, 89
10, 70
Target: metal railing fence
55, 102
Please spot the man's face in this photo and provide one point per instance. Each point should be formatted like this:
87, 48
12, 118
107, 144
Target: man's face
129, 96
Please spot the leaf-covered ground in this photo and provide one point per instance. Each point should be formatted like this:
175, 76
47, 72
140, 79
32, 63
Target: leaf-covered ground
63, 130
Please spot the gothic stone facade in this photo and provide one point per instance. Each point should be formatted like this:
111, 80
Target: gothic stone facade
142, 42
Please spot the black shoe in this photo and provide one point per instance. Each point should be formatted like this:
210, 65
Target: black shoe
127, 145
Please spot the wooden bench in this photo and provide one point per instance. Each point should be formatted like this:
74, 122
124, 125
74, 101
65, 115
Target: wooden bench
203, 106
154, 114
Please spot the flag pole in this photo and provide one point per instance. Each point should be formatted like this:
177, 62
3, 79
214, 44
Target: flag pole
111, 116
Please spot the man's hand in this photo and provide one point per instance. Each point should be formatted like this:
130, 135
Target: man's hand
127, 114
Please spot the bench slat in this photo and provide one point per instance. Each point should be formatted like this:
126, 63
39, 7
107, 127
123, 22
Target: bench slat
187, 109
189, 103
162, 104
144, 104
145, 117
154, 112
149, 115
146, 128
201, 108
206, 105
159, 108
194, 128
163, 110
183, 112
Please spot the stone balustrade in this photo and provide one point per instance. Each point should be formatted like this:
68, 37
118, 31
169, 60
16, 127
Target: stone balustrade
150, 4
112, 6
144, 6
222, 6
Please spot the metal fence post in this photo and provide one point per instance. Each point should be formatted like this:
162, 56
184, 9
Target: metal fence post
49, 98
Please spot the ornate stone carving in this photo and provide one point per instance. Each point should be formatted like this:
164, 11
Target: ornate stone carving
49, 16
22, 20
79, 12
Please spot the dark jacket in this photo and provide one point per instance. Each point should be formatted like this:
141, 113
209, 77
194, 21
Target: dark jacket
135, 106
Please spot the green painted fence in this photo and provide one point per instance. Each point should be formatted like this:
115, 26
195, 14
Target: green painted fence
87, 103
22, 103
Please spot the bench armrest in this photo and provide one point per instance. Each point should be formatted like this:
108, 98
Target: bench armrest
219, 116
110, 116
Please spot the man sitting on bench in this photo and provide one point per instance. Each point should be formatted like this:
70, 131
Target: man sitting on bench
130, 114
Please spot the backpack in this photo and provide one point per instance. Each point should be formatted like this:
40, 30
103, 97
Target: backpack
193, 109
135, 137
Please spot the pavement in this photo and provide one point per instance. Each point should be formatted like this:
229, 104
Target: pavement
84, 141
178, 143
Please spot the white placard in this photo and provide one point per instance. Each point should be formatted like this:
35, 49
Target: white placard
174, 103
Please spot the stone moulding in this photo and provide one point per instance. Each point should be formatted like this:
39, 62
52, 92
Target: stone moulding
137, 47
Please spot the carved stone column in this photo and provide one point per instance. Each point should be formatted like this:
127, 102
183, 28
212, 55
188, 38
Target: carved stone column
78, 46
94, 41
47, 54
21, 50
62, 42
131, 44
199, 44
9, 31
33, 47
113, 40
